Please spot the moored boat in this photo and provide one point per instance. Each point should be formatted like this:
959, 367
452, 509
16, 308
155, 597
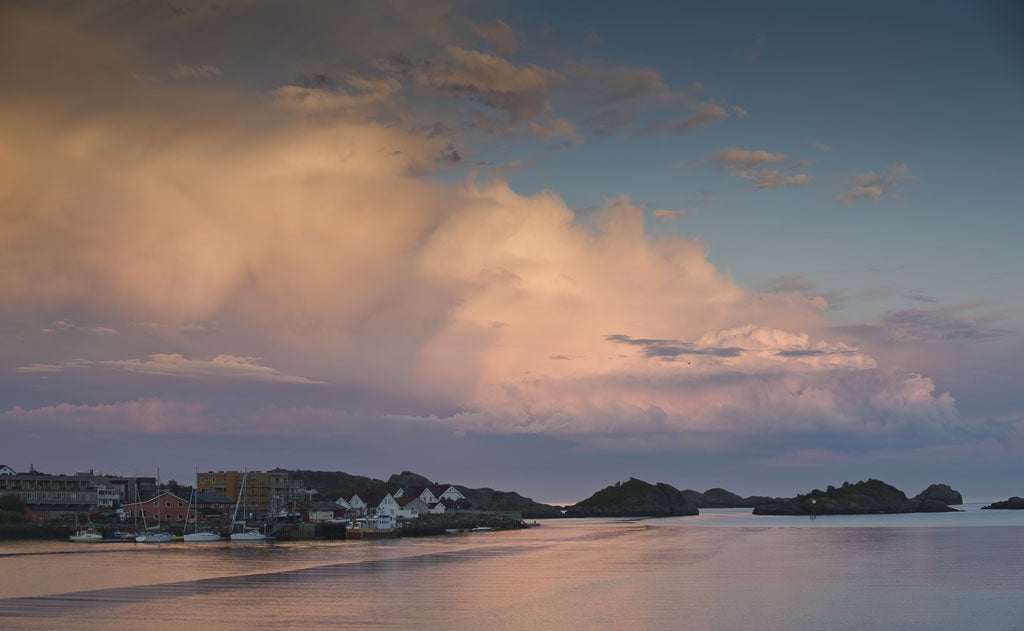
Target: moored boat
154, 537
248, 533
373, 527
86, 535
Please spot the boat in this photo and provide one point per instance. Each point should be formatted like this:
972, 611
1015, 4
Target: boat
373, 527
89, 534
481, 529
247, 533
152, 534
250, 533
154, 537
196, 536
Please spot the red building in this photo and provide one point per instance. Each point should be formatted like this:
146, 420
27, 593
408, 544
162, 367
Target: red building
166, 508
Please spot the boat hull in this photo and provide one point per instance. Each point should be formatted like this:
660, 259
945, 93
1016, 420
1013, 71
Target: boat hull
201, 537
160, 537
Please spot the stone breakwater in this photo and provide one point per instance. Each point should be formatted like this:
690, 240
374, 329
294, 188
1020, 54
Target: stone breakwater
427, 526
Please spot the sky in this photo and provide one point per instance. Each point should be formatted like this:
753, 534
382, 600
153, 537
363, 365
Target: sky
534, 246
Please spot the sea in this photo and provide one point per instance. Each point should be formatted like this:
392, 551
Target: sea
724, 569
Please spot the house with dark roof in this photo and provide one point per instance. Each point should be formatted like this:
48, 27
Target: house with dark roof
432, 494
302, 510
5, 470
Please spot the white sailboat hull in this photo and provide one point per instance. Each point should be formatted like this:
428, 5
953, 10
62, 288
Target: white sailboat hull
249, 535
156, 537
200, 537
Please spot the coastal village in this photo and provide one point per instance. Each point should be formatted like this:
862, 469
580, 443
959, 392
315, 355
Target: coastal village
254, 505
300, 504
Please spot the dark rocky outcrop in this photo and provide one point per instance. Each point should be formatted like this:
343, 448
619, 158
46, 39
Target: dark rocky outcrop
940, 493
634, 498
1014, 503
407, 478
721, 498
489, 499
862, 498
333, 484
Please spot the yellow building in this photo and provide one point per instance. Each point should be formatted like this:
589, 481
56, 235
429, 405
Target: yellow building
264, 490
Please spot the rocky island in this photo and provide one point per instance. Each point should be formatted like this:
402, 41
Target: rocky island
1014, 503
864, 498
634, 498
721, 498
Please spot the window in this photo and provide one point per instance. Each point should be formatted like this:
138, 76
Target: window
167, 504
179, 517
180, 504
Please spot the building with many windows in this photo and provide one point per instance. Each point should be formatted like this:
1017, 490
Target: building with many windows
264, 492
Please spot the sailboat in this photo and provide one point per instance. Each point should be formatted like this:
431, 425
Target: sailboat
151, 537
248, 533
196, 536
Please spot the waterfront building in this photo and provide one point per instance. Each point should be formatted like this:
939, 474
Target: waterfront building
164, 508
302, 510
132, 488
5, 470
51, 496
264, 490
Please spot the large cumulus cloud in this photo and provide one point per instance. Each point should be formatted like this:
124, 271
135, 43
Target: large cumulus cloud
293, 234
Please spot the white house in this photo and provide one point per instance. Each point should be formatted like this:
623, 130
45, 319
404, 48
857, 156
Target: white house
412, 507
432, 494
343, 503
5, 470
437, 509
451, 493
357, 502
388, 506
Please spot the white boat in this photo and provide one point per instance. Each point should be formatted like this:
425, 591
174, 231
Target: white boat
154, 537
196, 536
86, 535
482, 529
247, 533
373, 527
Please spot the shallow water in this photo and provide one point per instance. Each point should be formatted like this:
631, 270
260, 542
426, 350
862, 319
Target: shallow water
724, 569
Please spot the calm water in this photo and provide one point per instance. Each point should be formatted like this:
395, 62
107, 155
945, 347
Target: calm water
722, 570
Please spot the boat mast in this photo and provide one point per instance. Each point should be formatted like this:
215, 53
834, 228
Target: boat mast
238, 502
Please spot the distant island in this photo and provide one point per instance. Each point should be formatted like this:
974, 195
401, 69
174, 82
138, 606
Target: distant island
1014, 503
864, 498
634, 498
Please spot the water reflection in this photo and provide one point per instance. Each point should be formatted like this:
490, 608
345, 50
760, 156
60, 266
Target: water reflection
572, 573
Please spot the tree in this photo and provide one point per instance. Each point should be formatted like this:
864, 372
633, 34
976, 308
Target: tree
179, 489
12, 502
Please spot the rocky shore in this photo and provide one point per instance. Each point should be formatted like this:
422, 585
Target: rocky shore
429, 525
